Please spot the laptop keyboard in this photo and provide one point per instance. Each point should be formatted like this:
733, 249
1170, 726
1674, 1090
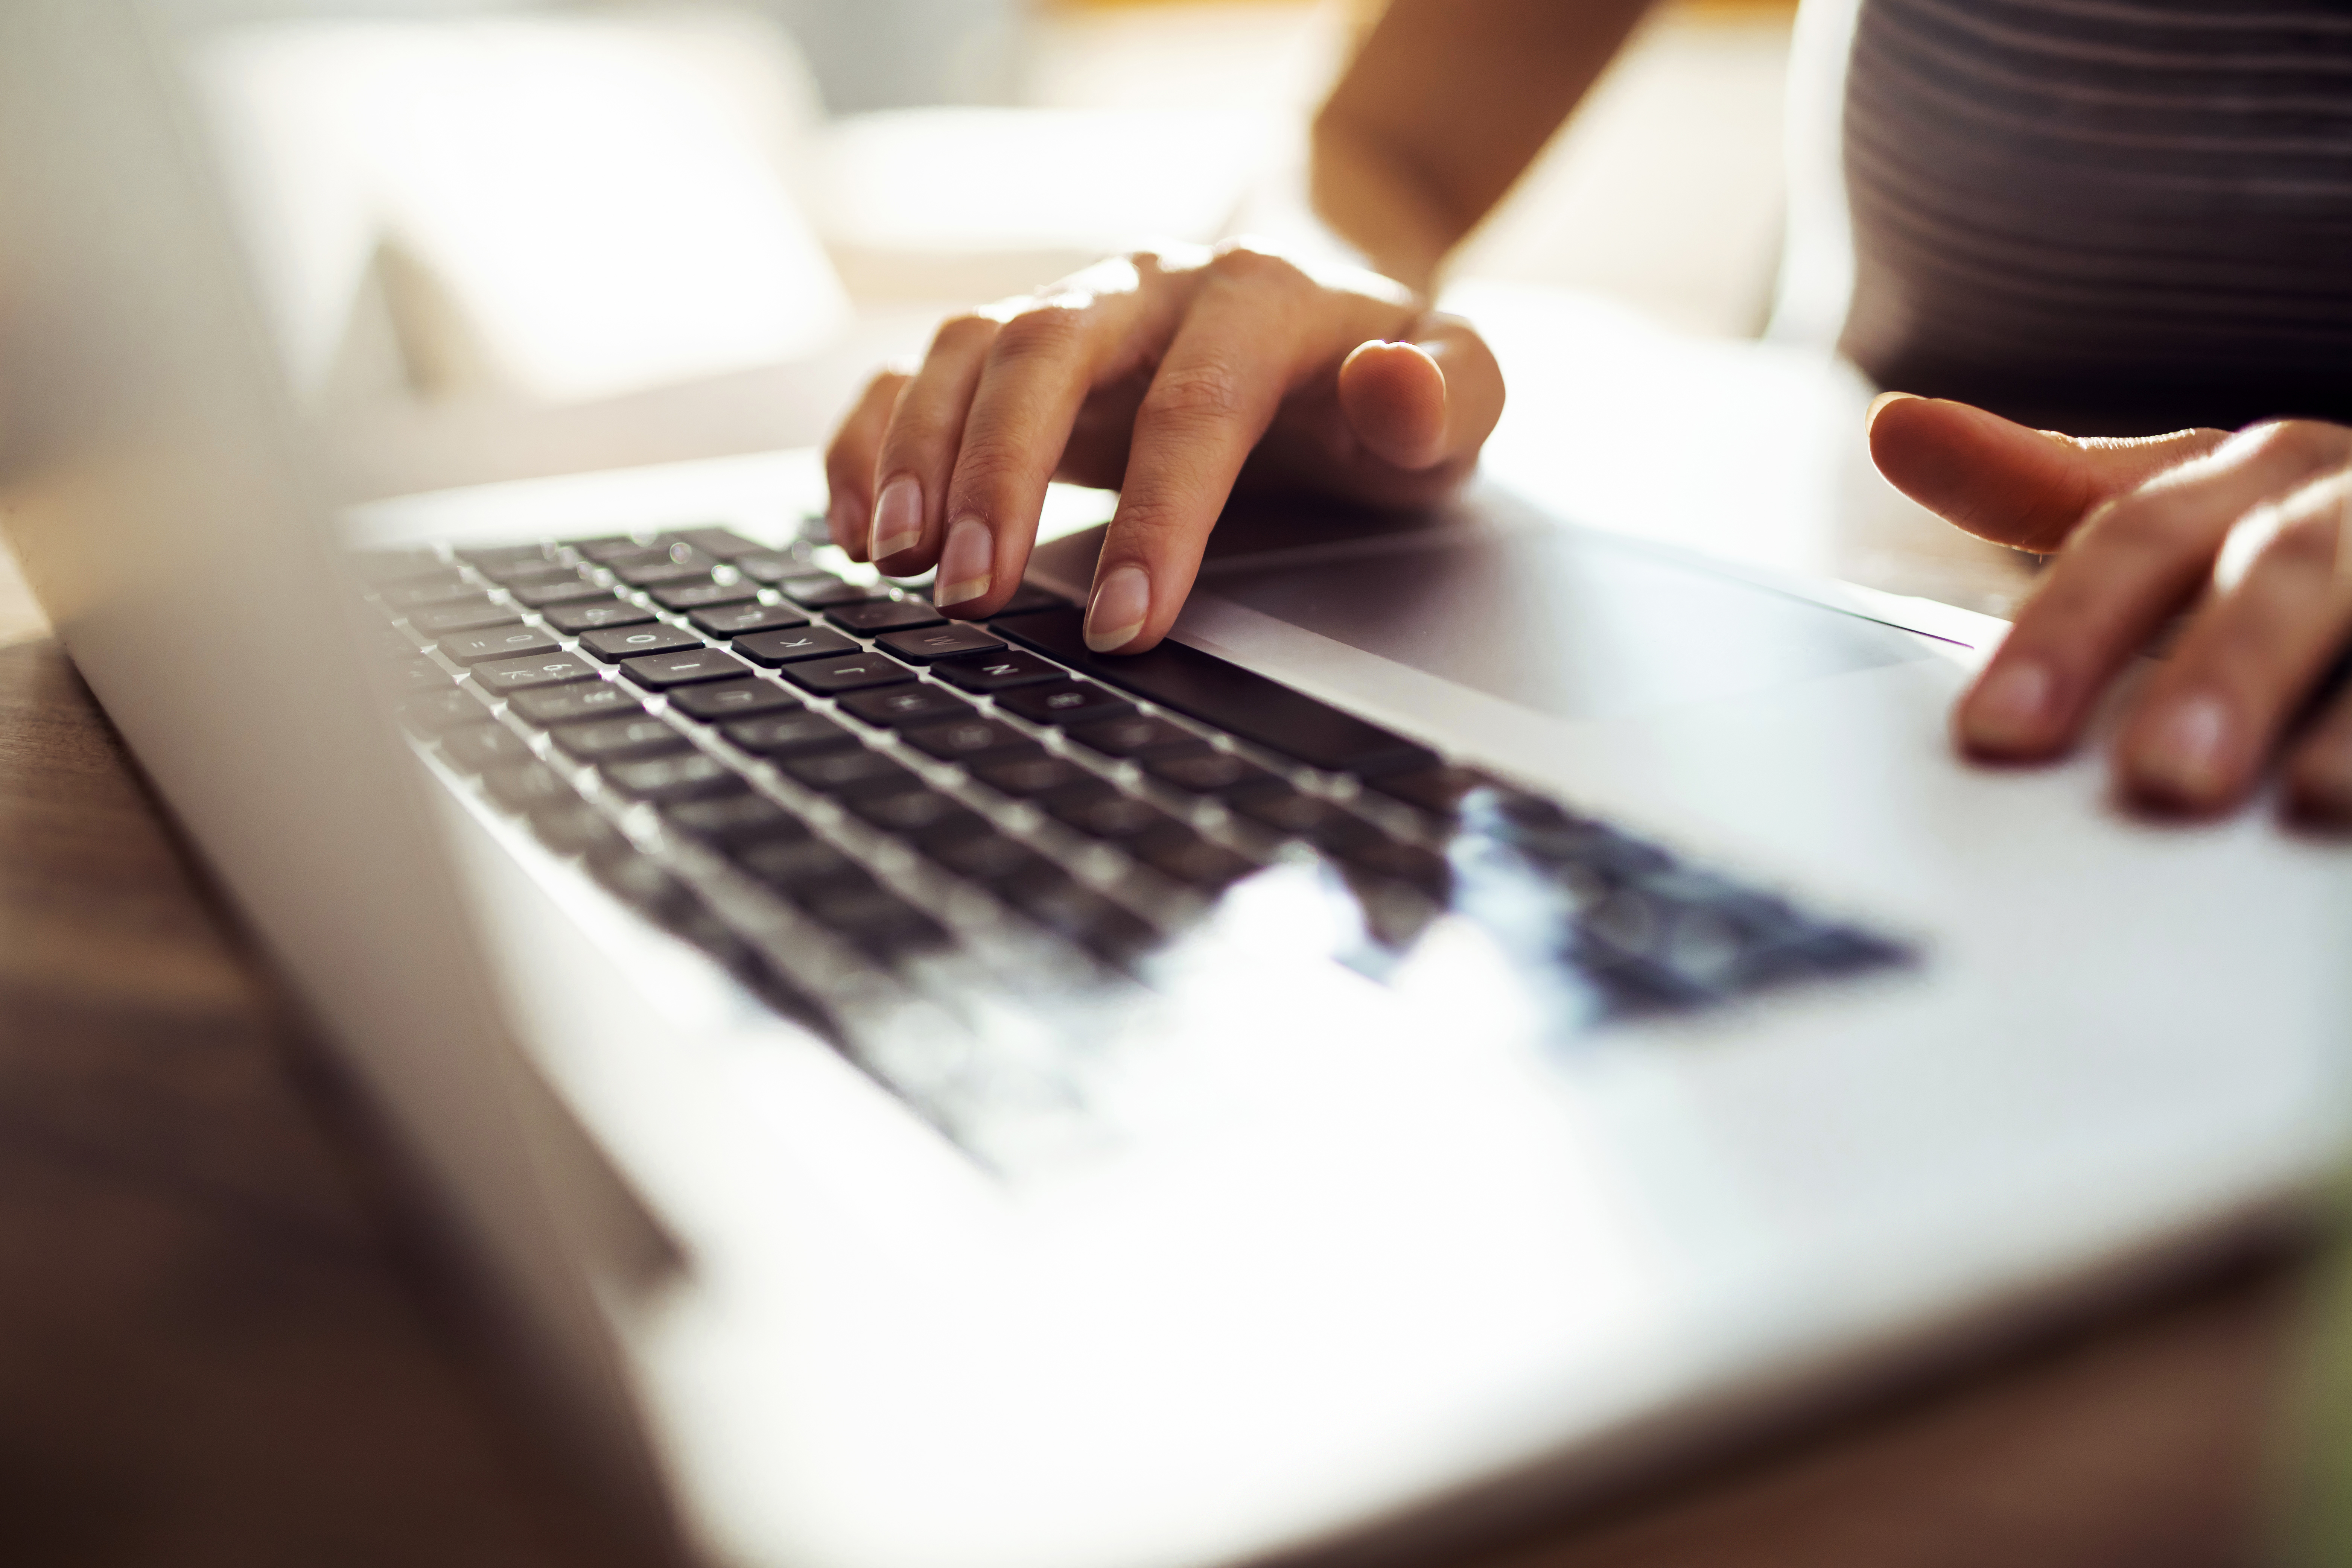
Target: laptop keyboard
870, 814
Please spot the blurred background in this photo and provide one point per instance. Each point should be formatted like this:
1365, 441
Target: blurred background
501, 241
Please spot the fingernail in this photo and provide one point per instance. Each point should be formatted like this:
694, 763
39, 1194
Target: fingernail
2187, 754
2010, 711
1122, 601
1880, 403
964, 562
898, 517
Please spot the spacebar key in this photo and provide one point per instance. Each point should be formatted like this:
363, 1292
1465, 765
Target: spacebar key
1233, 699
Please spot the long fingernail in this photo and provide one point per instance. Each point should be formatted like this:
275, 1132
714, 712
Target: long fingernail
1880, 403
1122, 599
2010, 711
964, 562
898, 517
2188, 754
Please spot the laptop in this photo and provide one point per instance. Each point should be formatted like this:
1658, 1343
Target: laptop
1489, 1009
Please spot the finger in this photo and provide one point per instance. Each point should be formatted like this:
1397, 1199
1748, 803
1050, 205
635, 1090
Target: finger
849, 461
2130, 566
2005, 482
1045, 360
2319, 771
1419, 405
2201, 732
1258, 328
918, 450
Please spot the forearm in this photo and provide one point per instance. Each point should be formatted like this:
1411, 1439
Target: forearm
1442, 110
1378, 208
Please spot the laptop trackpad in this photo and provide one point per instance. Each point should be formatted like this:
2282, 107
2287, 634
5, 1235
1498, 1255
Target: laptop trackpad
1574, 624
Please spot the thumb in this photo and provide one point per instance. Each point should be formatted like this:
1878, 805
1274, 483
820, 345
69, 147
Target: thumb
1417, 405
2005, 482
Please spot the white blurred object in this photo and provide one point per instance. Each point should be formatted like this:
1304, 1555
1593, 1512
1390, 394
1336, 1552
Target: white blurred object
947, 203
599, 204
1665, 189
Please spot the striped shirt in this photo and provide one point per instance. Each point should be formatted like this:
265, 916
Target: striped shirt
2104, 214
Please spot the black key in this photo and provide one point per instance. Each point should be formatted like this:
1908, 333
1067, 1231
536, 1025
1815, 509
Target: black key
1438, 791
724, 543
476, 748
735, 820
789, 734
1025, 776
734, 620
527, 574
972, 739
1181, 855
618, 740
613, 547
443, 619
575, 827
603, 615
995, 672
508, 643
661, 573
731, 700
1133, 735
851, 769
663, 670
418, 675
819, 591
515, 674
1065, 702
703, 595
1065, 907
926, 643
792, 644
828, 675
571, 590
563, 704
897, 707
442, 588
1398, 862
911, 811
661, 552
628, 642
1202, 769
527, 787
766, 567
875, 919
637, 881
488, 557
1225, 695
986, 858
878, 616
431, 712
1098, 811
1025, 599
802, 862
693, 775
1307, 817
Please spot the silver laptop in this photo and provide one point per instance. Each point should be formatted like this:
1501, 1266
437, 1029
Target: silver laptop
1490, 1007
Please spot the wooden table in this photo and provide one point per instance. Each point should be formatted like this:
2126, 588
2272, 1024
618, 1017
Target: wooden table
221, 1342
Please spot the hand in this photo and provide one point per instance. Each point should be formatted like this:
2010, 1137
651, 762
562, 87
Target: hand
1169, 377
2253, 530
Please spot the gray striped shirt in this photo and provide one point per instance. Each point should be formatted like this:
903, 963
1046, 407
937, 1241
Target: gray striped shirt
2104, 214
